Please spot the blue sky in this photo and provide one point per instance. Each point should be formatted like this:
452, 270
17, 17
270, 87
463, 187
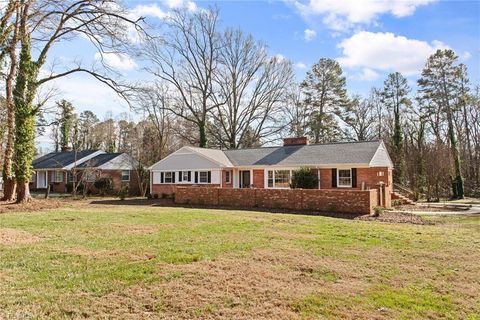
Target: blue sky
369, 38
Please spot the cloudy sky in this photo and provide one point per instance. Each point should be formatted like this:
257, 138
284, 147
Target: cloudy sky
369, 39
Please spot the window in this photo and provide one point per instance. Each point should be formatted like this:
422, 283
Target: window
345, 178
185, 176
168, 177
279, 178
71, 177
380, 173
58, 176
125, 175
228, 177
282, 178
203, 176
270, 179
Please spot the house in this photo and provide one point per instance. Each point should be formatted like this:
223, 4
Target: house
346, 165
57, 169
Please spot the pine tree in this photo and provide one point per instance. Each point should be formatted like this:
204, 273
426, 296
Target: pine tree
395, 98
440, 83
325, 92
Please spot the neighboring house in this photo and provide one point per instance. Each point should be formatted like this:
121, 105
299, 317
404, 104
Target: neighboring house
57, 169
349, 165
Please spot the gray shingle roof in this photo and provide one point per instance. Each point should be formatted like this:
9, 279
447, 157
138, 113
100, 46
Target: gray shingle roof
298, 155
57, 160
99, 160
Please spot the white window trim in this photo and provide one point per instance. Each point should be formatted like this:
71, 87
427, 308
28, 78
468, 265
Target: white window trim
199, 178
55, 180
185, 177
165, 177
273, 171
338, 178
128, 175
229, 180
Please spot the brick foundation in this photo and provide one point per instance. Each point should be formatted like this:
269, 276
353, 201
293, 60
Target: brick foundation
348, 201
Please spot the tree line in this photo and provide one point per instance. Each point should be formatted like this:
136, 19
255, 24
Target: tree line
214, 86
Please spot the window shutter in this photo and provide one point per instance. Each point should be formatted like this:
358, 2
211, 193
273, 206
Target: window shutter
180, 177
196, 176
173, 177
209, 176
161, 177
189, 176
334, 178
354, 177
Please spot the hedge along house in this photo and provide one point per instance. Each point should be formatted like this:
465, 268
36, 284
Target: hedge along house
58, 169
349, 165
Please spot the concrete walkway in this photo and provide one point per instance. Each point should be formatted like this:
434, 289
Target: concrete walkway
462, 209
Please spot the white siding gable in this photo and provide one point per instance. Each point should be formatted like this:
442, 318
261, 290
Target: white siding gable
381, 158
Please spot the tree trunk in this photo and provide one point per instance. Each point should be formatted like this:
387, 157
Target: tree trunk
8, 177
23, 192
9, 187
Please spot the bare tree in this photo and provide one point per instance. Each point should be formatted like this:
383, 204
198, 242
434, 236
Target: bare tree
251, 90
359, 116
186, 58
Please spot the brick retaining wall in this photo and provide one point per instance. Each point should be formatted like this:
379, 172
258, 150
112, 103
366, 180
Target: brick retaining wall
348, 201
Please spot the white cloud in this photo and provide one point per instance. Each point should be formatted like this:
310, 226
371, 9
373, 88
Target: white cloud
148, 10
368, 74
301, 65
280, 57
178, 4
119, 61
343, 14
465, 56
309, 34
386, 52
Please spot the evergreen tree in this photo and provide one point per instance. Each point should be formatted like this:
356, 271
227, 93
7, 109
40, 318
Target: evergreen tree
66, 122
395, 98
440, 84
325, 92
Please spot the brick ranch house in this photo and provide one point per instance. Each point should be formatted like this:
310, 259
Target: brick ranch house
57, 169
339, 166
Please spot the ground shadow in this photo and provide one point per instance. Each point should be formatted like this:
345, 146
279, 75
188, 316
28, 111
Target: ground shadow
171, 203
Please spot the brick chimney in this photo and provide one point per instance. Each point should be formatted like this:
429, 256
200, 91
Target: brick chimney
299, 141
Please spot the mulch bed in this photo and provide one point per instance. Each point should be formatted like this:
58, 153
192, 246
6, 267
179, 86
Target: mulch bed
31, 206
397, 217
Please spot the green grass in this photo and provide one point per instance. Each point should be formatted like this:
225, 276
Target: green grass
133, 261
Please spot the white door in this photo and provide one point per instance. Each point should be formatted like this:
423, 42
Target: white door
41, 179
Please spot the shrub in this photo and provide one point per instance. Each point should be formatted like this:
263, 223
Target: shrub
377, 211
155, 195
122, 194
304, 178
149, 196
397, 202
69, 187
104, 185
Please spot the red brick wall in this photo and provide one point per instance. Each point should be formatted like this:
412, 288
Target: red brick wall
349, 201
116, 176
236, 197
170, 188
258, 180
295, 141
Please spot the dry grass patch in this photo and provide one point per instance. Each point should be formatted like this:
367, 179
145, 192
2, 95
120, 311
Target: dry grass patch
9, 237
31, 206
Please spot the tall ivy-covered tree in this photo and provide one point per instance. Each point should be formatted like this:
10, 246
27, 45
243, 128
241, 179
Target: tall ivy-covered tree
325, 91
47, 22
9, 29
395, 98
440, 84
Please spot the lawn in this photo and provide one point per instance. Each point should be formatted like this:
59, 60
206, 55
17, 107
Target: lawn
176, 263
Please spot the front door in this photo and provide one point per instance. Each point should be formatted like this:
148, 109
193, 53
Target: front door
41, 179
245, 179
